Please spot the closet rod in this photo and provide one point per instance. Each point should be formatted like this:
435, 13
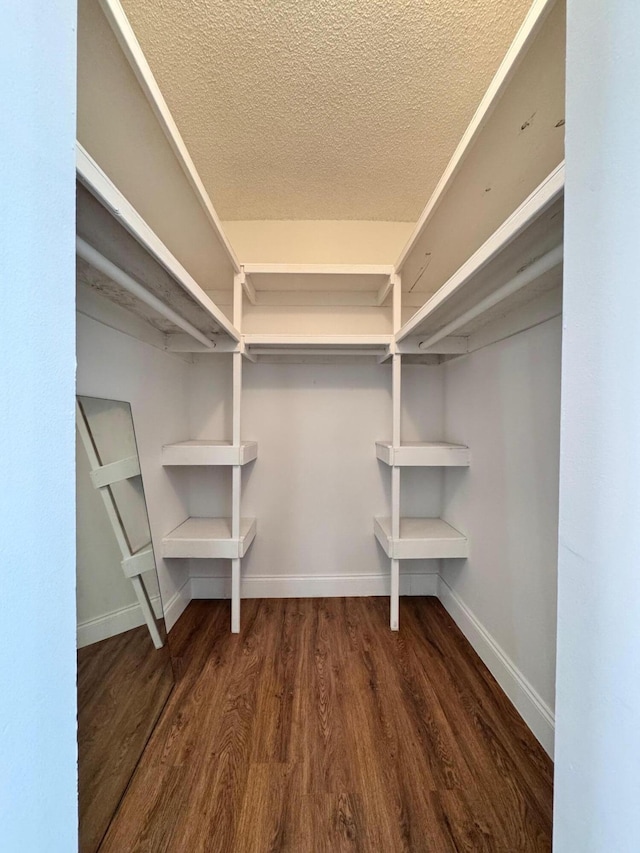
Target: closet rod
104, 265
539, 267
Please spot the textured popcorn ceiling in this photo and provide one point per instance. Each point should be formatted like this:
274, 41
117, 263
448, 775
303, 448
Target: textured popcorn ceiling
323, 109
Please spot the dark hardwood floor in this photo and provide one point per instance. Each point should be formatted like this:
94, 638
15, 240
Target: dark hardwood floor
123, 683
318, 729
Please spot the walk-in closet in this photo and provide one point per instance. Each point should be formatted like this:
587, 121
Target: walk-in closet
319, 328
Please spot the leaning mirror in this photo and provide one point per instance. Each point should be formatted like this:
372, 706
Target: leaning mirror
124, 667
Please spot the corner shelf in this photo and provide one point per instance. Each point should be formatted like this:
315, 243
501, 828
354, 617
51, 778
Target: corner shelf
209, 453
423, 454
209, 538
421, 539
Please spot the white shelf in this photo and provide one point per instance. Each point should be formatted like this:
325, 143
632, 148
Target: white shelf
421, 539
209, 538
423, 454
209, 453
503, 272
115, 229
317, 277
324, 342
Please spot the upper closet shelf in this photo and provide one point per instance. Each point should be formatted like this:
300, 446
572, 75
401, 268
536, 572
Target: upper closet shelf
326, 344
209, 453
521, 260
318, 277
121, 258
423, 454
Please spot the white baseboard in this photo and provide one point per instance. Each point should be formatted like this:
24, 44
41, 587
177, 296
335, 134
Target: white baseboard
110, 624
177, 604
330, 586
530, 705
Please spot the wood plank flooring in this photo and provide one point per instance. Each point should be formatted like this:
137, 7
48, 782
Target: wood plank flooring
318, 730
123, 683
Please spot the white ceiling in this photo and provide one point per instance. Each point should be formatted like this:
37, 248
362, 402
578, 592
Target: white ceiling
323, 109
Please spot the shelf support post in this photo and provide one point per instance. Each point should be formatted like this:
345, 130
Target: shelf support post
396, 393
236, 482
235, 596
395, 594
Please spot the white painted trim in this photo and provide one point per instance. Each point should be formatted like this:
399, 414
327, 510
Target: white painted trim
319, 269
103, 188
119, 23
531, 208
177, 604
527, 701
516, 53
327, 586
116, 622
318, 341
126, 618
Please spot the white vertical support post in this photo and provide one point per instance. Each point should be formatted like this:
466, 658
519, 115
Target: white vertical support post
396, 388
235, 596
396, 394
395, 595
236, 495
236, 482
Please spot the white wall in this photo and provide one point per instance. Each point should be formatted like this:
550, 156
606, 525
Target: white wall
278, 241
598, 690
316, 320
316, 485
116, 366
504, 403
38, 808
